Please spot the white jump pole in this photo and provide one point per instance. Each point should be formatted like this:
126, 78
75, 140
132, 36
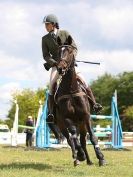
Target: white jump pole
14, 131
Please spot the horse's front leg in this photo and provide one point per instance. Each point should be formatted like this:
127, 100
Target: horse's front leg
83, 144
71, 143
94, 141
73, 134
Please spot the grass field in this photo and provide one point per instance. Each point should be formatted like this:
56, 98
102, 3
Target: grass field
19, 162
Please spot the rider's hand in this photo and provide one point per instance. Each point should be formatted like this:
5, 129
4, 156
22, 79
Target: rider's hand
52, 62
46, 66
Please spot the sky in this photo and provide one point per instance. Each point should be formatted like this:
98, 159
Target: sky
102, 30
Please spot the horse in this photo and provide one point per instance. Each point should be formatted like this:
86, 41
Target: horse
73, 108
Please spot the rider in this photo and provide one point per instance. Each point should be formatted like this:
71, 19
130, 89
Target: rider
50, 55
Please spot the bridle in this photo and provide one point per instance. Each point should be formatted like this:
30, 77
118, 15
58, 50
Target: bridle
66, 59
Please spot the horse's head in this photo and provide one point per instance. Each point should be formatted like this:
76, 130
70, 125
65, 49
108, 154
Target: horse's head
66, 56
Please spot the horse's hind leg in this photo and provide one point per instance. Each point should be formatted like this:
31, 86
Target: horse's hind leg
83, 144
94, 141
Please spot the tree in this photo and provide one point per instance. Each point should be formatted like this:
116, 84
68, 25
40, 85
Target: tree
128, 119
28, 102
125, 90
2, 121
104, 88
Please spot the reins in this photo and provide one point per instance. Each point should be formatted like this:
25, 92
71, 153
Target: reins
70, 67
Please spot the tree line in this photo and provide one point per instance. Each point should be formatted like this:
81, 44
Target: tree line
103, 88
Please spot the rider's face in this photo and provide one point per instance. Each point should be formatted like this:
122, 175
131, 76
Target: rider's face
49, 27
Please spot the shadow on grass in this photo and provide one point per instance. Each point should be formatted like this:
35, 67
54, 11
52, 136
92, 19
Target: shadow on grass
113, 149
13, 147
31, 148
37, 166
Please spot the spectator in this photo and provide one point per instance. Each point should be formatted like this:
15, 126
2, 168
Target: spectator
29, 132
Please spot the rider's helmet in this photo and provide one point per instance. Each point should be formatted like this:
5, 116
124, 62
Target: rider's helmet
51, 18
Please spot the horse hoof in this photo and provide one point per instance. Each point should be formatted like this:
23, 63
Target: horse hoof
102, 163
76, 162
90, 163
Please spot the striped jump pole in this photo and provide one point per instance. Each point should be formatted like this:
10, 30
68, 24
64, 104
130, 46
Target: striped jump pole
26, 127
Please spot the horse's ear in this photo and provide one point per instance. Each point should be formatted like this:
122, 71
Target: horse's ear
59, 41
69, 40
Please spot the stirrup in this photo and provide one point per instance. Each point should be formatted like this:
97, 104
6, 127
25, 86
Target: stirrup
50, 118
97, 108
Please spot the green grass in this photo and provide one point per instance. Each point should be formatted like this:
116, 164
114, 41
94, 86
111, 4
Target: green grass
19, 162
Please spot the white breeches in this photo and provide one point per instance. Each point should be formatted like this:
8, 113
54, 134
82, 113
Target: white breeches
53, 78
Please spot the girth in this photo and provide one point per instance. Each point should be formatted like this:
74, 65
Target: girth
78, 94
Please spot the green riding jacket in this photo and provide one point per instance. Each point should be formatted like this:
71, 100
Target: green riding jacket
50, 47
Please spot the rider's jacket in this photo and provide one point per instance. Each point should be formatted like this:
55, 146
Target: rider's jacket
50, 46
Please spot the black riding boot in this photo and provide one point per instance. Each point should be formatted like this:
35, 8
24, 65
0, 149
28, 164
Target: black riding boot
96, 106
50, 117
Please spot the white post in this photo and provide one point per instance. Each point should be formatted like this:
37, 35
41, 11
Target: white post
14, 131
98, 128
115, 95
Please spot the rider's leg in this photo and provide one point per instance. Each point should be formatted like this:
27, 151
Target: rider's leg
51, 119
53, 78
96, 106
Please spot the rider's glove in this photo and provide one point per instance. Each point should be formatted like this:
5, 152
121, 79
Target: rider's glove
49, 64
46, 66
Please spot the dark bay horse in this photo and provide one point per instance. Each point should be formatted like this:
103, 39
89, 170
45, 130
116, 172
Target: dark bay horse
73, 109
